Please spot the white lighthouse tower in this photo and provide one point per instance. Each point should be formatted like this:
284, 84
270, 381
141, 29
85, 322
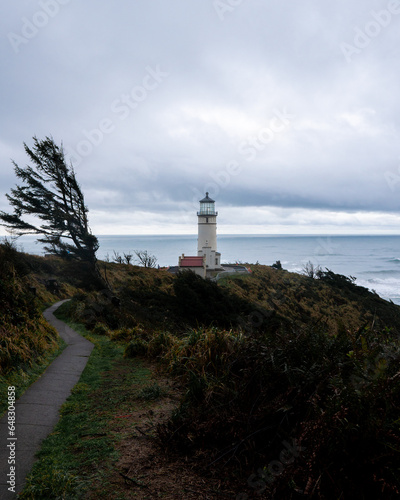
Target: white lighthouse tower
207, 234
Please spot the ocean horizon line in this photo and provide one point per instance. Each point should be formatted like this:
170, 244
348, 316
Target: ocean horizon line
262, 235
223, 235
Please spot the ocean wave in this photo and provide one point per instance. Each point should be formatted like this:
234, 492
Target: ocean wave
392, 272
395, 259
329, 254
383, 281
387, 288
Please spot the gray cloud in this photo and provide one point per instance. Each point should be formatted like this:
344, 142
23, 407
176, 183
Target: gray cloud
157, 102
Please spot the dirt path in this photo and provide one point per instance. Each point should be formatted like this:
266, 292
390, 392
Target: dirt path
37, 410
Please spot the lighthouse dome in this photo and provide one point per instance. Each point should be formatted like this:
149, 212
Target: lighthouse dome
207, 199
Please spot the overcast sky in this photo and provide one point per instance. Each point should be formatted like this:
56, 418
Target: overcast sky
288, 113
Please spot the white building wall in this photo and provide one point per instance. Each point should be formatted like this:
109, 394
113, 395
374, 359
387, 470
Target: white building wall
210, 257
207, 233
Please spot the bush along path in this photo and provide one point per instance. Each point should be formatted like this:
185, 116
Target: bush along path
37, 410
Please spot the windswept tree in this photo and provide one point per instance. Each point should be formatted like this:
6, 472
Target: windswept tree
50, 192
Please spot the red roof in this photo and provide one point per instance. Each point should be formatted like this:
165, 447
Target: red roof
191, 262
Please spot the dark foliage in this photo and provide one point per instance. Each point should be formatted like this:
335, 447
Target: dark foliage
24, 335
335, 396
338, 280
200, 301
164, 301
16, 301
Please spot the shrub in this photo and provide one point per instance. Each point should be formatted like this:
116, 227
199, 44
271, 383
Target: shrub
100, 329
160, 343
336, 396
136, 347
152, 392
127, 334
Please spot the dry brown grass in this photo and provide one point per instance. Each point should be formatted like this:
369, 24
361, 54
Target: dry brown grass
311, 302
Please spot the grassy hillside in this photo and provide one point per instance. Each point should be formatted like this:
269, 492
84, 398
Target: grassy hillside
332, 302
291, 384
266, 298
25, 337
27, 285
271, 361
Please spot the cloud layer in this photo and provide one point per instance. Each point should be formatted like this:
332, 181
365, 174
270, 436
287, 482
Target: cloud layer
286, 112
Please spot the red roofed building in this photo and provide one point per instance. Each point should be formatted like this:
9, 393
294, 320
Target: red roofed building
193, 263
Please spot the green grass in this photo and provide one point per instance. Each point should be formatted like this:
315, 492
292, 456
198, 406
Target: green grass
25, 376
80, 454
151, 392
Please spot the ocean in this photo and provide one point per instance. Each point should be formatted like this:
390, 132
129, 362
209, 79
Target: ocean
373, 260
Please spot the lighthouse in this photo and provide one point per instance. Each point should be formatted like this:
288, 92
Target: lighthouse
208, 260
207, 234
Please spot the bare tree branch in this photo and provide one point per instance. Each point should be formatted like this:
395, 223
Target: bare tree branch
145, 258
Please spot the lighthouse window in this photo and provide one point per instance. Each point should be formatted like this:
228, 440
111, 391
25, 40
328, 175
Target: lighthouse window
207, 208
